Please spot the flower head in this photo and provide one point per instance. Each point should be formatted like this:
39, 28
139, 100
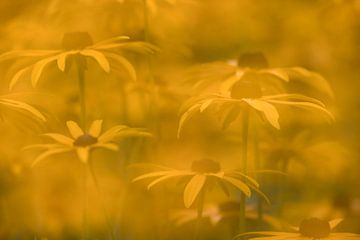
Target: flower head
78, 47
83, 142
201, 172
244, 95
224, 74
311, 229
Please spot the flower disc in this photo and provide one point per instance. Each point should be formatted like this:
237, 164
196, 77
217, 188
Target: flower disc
85, 140
206, 166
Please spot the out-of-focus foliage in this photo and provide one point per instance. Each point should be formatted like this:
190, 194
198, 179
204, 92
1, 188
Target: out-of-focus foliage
311, 45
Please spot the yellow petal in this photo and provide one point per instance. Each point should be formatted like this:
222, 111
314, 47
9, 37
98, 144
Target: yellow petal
38, 69
239, 184
270, 112
124, 63
23, 106
83, 153
60, 138
99, 57
95, 128
193, 189
74, 129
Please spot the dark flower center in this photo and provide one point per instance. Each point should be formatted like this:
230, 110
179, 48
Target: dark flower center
85, 140
76, 40
253, 60
246, 88
314, 228
205, 166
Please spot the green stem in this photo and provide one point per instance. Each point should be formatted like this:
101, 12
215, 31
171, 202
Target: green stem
200, 210
257, 160
107, 217
81, 78
146, 20
244, 167
85, 203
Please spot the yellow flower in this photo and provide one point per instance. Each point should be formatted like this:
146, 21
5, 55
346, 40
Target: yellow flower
21, 106
78, 46
203, 171
246, 93
309, 229
255, 65
83, 142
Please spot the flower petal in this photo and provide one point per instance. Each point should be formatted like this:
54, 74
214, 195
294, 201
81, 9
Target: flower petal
99, 57
74, 129
95, 128
61, 59
38, 69
60, 138
83, 153
110, 146
23, 106
193, 189
269, 111
239, 184
124, 63
49, 153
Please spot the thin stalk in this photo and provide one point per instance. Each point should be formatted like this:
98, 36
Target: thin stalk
85, 203
107, 217
244, 167
257, 160
200, 210
282, 185
81, 66
81, 79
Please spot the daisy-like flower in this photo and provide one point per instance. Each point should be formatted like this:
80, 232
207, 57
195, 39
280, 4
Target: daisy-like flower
83, 142
255, 64
309, 229
245, 93
201, 173
21, 107
77, 48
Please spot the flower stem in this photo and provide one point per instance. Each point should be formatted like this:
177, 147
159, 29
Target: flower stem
200, 209
257, 161
244, 167
106, 215
85, 203
81, 67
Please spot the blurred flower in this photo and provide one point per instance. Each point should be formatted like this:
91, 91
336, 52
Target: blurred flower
246, 93
312, 228
21, 107
203, 171
255, 65
83, 142
77, 47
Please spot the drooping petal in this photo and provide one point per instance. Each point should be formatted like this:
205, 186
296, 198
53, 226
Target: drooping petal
23, 106
26, 53
170, 175
226, 86
95, 128
61, 59
83, 153
99, 57
124, 63
150, 175
60, 138
74, 129
306, 105
185, 116
270, 112
238, 184
193, 189
49, 153
39, 68
17, 76
104, 43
